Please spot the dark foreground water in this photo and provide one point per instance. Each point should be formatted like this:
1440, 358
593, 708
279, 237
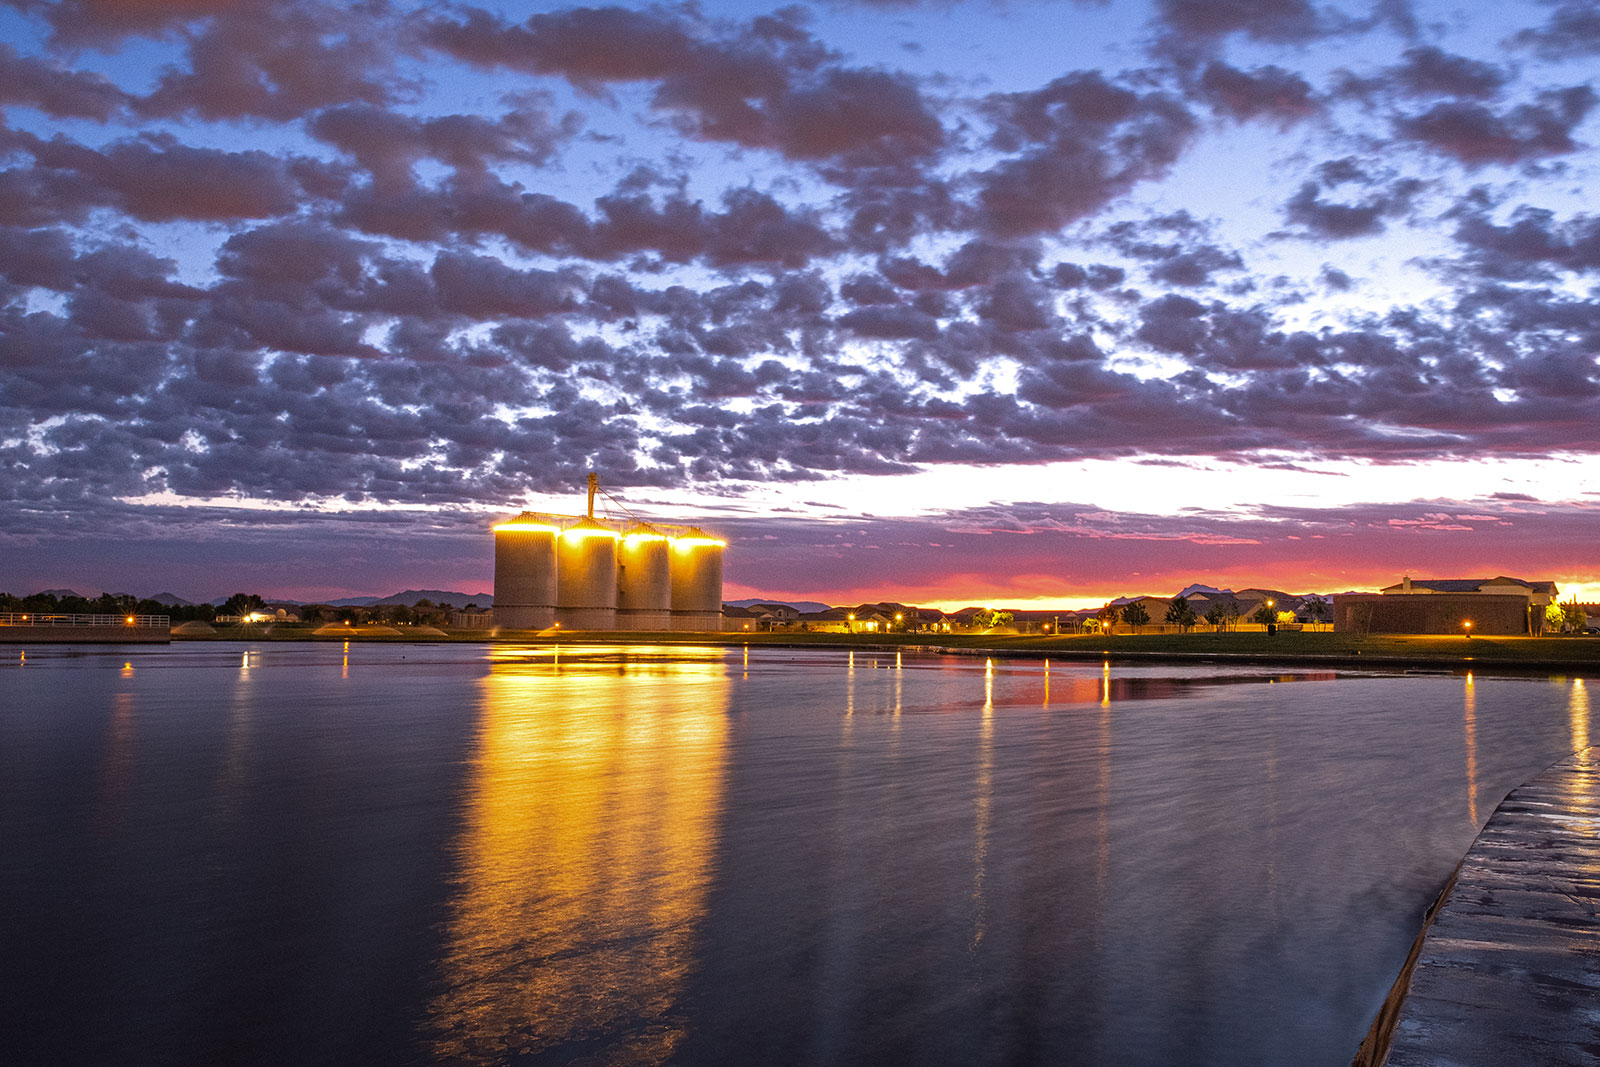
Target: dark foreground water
301, 854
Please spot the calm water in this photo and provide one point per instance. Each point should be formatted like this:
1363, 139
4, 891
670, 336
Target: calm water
298, 854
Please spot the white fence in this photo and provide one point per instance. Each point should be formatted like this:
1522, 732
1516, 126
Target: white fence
18, 618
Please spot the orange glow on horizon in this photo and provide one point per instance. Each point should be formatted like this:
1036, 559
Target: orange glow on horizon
1040, 592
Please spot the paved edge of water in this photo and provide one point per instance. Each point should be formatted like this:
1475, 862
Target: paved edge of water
1506, 968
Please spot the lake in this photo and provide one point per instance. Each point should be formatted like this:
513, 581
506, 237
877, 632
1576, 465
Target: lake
326, 854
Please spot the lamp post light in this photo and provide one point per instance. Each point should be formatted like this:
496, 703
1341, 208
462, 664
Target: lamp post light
851, 619
1466, 625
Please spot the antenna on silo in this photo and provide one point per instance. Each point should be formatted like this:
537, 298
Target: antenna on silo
594, 486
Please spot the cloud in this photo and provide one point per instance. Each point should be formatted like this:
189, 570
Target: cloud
1573, 30
1078, 142
1533, 238
1429, 70
1387, 198
388, 145
1476, 135
763, 84
1187, 21
153, 179
56, 90
276, 61
433, 255
1266, 92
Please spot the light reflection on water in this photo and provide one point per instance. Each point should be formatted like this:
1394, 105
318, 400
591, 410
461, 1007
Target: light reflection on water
350, 853
585, 860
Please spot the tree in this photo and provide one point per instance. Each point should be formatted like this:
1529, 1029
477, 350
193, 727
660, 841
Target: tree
1576, 617
1555, 619
1180, 613
1264, 615
1316, 608
989, 618
1216, 615
243, 604
1135, 615
1108, 617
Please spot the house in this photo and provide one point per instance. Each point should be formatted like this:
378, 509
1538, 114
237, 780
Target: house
777, 614
1537, 595
871, 618
740, 620
832, 620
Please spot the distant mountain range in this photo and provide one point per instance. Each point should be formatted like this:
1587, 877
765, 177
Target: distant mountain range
807, 606
411, 596
1198, 588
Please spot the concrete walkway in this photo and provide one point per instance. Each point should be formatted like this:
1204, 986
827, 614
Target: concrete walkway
1508, 969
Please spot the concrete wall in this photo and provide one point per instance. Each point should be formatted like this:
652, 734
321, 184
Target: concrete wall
84, 635
1434, 613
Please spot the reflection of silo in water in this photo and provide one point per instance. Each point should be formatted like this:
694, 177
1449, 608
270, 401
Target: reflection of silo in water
696, 582
586, 577
584, 862
524, 574
644, 582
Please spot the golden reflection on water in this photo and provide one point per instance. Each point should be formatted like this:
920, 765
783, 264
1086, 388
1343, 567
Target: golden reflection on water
982, 799
116, 774
1579, 781
585, 861
1470, 720
1578, 714
1102, 854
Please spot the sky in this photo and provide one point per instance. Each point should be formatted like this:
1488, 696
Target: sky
1007, 301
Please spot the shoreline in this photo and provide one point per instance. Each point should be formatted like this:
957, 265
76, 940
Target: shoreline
1323, 649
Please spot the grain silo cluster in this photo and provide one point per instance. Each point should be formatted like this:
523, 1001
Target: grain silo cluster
584, 573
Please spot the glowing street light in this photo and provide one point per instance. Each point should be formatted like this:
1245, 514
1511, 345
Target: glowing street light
1466, 624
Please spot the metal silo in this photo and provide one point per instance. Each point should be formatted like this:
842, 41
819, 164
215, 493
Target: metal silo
586, 577
696, 582
644, 581
525, 574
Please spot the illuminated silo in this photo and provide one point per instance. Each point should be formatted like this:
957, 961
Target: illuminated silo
696, 582
644, 581
524, 573
586, 577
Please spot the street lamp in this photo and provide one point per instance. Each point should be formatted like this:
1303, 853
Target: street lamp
1466, 624
852, 620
